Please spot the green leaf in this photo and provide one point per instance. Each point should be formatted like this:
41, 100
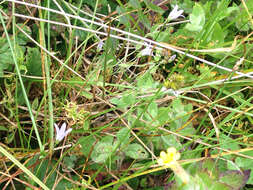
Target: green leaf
86, 143
153, 7
135, 4
124, 19
217, 36
197, 19
69, 161
234, 179
242, 22
6, 59
152, 112
2, 128
33, 61
123, 135
145, 82
22, 38
136, 151
127, 100
102, 151
171, 141
163, 115
35, 103
10, 137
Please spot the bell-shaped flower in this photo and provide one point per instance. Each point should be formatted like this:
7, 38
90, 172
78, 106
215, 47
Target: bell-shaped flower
61, 132
147, 51
175, 13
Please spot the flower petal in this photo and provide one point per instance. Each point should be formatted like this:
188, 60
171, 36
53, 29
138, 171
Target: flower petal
160, 161
68, 131
147, 51
63, 128
56, 128
100, 45
175, 13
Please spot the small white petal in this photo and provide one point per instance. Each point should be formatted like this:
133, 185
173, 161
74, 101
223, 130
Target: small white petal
63, 128
68, 131
56, 128
147, 51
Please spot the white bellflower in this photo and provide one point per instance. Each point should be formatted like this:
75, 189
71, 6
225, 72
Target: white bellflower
175, 13
61, 133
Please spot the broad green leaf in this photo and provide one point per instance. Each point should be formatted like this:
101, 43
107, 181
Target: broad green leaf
197, 19
136, 151
163, 115
234, 179
146, 82
102, 151
217, 36
171, 141
153, 109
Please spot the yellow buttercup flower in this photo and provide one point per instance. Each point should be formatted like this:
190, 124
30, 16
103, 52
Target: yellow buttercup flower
169, 158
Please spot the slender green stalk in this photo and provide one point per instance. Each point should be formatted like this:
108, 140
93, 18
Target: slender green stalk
21, 137
48, 79
105, 61
20, 165
22, 85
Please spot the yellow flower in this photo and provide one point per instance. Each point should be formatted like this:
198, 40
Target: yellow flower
169, 158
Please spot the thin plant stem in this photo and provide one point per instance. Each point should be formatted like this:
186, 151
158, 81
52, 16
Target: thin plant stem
22, 86
48, 86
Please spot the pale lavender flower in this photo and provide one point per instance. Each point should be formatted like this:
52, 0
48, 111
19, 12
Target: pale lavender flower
100, 45
61, 133
175, 13
147, 51
172, 58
